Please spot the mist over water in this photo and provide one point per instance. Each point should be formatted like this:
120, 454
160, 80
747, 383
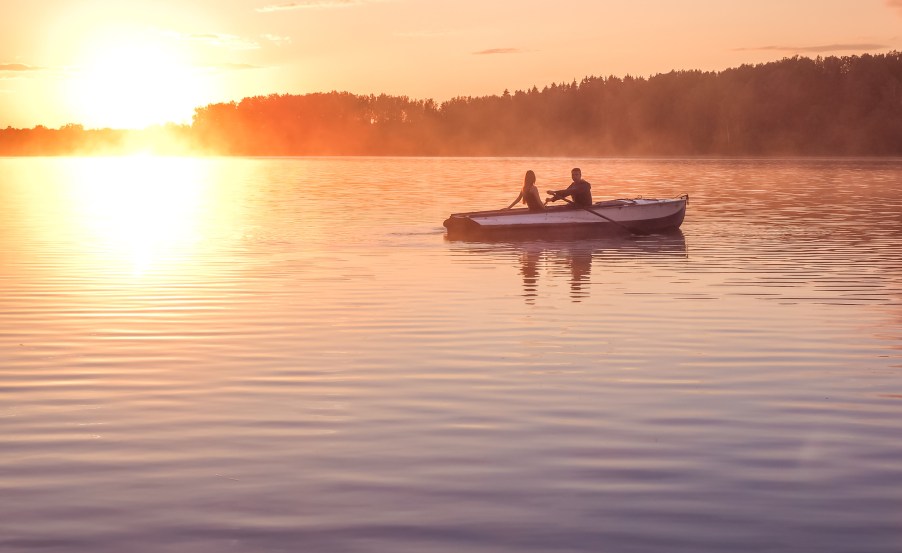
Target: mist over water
286, 354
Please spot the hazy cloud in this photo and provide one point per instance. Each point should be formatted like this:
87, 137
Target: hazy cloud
897, 4
275, 39
821, 48
236, 66
9, 71
231, 42
17, 67
429, 34
310, 4
498, 51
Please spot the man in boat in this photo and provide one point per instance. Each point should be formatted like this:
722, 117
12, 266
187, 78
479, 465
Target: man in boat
579, 190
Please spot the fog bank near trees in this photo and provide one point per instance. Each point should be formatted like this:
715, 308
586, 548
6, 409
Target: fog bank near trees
848, 105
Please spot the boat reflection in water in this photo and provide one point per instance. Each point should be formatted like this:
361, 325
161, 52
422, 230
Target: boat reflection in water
572, 259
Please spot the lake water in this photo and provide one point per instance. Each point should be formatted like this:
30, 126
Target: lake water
287, 354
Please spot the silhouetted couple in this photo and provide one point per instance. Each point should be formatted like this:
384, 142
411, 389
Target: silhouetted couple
579, 190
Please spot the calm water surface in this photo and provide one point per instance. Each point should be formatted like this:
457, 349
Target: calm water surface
288, 355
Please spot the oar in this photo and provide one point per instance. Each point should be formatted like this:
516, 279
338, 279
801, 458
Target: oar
624, 227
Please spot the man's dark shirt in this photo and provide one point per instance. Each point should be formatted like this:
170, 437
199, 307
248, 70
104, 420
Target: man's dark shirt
581, 192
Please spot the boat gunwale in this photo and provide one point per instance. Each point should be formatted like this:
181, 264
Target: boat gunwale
467, 225
619, 203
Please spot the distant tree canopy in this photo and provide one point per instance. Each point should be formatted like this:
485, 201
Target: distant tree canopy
797, 106
75, 140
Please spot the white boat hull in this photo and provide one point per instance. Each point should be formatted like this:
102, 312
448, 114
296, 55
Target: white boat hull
639, 216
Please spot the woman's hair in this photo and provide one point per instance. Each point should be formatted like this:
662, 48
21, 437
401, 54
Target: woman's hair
530, 178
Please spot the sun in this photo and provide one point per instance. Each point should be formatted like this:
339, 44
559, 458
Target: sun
135, 83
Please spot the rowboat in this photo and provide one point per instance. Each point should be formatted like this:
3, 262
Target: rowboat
632, 216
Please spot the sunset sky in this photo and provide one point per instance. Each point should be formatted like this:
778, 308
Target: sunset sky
106, 63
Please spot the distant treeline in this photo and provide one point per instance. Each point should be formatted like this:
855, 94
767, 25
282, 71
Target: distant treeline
848, 105
74, 139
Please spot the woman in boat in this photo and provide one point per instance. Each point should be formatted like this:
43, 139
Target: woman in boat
530, 194
580, 190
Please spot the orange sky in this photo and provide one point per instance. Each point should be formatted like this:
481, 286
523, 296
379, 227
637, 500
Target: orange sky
129, 64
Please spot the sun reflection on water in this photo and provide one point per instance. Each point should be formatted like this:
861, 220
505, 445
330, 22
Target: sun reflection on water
140, 214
